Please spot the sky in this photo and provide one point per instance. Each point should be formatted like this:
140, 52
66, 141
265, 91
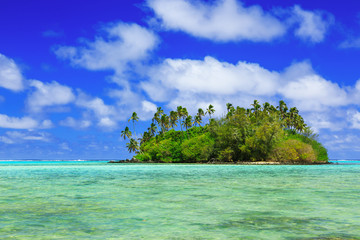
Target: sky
72, 72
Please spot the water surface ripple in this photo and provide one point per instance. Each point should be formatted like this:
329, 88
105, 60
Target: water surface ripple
95, 200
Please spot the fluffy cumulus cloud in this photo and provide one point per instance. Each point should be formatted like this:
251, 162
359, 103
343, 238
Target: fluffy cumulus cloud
96, 106
23, 122
226, 20
10, 75
312, 26
197, 83
309, 91
48, 94
17, 123
123, 44
209, 76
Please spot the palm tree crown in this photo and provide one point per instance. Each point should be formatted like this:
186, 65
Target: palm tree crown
210, 110
134, 118
126, 133
133, 145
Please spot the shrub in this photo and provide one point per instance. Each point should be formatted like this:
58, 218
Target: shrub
293, 150
226, 155
144, 157
197, 149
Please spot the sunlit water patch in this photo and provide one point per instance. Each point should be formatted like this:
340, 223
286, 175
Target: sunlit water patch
96, 200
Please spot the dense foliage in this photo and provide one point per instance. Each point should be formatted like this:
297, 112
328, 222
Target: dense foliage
261, 133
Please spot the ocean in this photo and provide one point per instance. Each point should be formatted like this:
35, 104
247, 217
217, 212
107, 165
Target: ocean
97, 200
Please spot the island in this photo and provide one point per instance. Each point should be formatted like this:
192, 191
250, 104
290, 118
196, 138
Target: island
262, 134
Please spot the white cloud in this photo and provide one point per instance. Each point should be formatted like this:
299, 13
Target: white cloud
198, 83
17, 123
309, 91
12, 137
225, 20
23, 123
124, 44
46, 124
323, 120
6, 140
48, 94
107, 122
354, 118
129, 101
351, 43
10, 75
65, 146
106, 115
313, 26
71, 122
96, 105
148, 106
341, 141
209, 76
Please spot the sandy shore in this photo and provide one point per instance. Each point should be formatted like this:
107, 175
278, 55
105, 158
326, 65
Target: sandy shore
224, 163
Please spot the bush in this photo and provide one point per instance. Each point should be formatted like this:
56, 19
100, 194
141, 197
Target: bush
226, 155
293, 151
319, 149
144, 157
197, 149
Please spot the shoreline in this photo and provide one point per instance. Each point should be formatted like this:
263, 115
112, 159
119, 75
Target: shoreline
220, 163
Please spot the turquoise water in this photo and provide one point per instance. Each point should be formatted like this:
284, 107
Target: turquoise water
96, 200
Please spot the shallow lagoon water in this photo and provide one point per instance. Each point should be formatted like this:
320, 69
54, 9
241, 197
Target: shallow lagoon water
96, 200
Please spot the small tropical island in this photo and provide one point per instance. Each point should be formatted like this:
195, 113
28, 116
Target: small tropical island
262, 134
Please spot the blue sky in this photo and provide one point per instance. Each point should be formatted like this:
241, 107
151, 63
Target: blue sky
72, 72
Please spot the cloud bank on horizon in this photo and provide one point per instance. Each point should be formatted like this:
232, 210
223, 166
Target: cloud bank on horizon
138, 76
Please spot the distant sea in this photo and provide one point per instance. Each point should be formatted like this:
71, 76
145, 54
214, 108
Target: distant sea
96, 200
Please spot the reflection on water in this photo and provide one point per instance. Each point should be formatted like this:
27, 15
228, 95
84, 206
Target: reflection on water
95, 200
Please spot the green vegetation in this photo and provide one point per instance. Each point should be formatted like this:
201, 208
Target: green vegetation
261, 133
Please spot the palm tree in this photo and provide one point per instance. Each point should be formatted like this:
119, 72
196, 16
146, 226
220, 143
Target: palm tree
256, 107
184, 112
210, 110
133, 145
126, 133
282, 108
145, 137
173, 118
293, 117
152, 129
134, 118
228, 106
179, 112
164, 123
187, 122
272, 109
197, 120
160, 111
231, 112
200, 114
266, 107
156, 118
